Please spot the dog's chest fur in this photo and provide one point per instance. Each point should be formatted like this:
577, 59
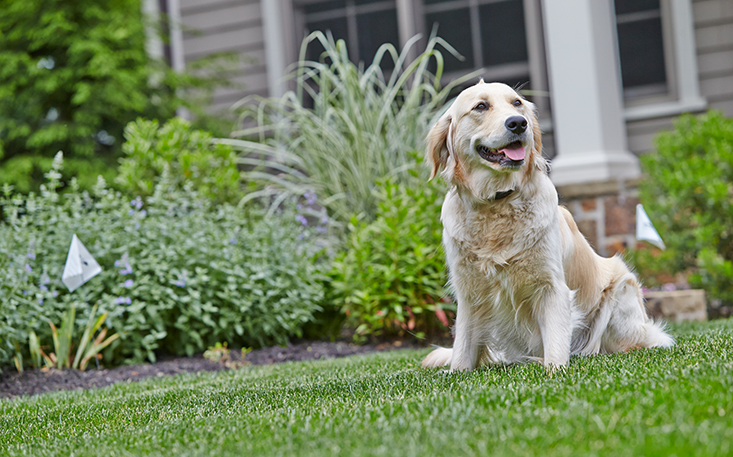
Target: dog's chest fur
501, 256
498, 235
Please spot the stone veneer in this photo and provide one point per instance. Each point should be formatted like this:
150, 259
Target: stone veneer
605, 213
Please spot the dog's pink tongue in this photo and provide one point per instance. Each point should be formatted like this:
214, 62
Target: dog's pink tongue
514, 153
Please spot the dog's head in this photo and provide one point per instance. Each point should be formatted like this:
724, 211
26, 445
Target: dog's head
489, 141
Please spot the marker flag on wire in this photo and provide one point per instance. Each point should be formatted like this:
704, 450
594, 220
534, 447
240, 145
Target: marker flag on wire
80, 266
645, 229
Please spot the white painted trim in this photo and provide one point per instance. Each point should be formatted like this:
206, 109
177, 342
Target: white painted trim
151, 16
688, 84
178, 60
673, 108
276, 60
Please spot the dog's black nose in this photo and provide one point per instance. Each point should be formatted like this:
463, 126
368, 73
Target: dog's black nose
516, 124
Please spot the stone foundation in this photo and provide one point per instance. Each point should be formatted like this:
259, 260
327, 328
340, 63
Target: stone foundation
678, 305
605, 213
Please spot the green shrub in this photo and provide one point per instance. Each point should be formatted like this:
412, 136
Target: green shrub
191, 156
345, 127
390, 278
179, 273
72, 75
689, 195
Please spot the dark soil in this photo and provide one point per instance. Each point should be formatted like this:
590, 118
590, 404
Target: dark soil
31, 382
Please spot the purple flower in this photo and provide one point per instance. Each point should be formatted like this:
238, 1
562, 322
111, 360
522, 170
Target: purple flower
128, 300
131, 212
55, 293
26, 292
324, 220
32, 255
310, 197
117, 263
123, 300
28, 268
43, 288
299, 206
144, 213
181, 281
128, 283
232, 240
40, 301
300, 218
321, 229
669, 287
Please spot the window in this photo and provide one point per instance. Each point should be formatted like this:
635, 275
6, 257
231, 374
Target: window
656, 44
490, 34
364, 24
641, 48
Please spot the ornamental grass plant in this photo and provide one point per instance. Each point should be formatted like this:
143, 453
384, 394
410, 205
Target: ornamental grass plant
345, 128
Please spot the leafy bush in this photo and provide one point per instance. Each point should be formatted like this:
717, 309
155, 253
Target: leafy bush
191, 156
689, 195
345, 127
72, 75
390, 278
179, 273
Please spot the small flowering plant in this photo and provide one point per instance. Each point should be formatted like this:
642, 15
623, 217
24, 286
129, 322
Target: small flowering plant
179, 273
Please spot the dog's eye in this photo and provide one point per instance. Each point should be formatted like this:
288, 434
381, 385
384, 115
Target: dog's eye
481, 106
517, 103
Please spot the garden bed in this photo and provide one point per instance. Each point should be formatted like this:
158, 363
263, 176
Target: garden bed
32, 382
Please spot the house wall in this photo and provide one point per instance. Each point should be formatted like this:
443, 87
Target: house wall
211, 26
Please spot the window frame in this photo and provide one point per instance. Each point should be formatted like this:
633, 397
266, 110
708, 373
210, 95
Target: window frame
683, 95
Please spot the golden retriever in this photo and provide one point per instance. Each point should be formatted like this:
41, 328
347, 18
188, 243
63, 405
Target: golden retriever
527, 283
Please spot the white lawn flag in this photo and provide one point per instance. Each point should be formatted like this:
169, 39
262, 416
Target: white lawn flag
80, 265
645, 229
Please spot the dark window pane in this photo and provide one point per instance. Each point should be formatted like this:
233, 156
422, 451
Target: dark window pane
455, 28
635, 6
324, 6
642, 53
503, 37
337, 27
375, 29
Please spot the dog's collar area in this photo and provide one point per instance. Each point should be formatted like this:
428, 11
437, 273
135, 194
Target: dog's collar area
503, 195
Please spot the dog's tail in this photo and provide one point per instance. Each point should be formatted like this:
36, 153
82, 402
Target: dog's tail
655, 336
440, 357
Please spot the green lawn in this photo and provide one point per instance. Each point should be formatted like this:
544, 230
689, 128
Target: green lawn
655, 402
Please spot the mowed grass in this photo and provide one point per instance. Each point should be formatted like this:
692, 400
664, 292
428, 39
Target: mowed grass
647, 402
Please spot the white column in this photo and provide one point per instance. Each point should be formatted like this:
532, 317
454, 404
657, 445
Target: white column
278, 34
586, 93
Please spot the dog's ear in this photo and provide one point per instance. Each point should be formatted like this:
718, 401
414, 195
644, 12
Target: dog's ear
436, 151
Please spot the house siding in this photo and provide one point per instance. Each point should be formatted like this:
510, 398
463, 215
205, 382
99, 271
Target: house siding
714, 46
213, 26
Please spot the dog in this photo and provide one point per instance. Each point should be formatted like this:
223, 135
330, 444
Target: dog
528, 285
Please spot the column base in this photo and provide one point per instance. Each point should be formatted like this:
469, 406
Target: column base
596, 166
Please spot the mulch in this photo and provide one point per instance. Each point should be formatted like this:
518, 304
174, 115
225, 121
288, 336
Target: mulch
32, 382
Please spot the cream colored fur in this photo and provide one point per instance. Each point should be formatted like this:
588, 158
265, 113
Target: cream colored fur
527, 283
